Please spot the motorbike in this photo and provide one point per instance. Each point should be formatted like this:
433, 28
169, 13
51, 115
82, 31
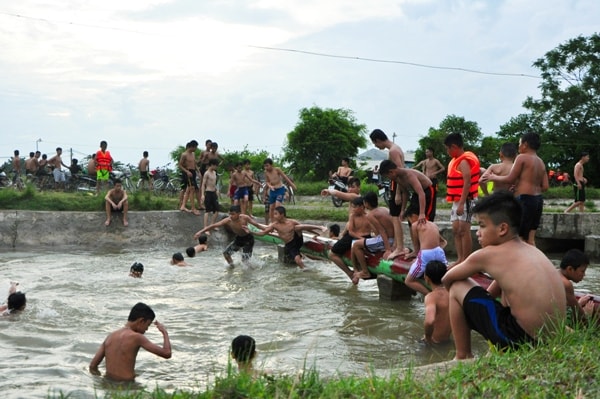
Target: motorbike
4, 180
339, 185
384, 191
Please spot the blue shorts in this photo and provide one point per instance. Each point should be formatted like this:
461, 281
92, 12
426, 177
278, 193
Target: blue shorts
240, 193
277, 195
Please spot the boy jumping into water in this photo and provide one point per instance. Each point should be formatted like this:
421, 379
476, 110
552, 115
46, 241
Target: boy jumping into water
121, 347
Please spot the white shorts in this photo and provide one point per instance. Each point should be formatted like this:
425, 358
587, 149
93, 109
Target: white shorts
467, 214
375, 244
417, 269
59, 176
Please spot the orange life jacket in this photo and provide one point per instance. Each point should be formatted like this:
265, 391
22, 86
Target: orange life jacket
104, 160
454, 182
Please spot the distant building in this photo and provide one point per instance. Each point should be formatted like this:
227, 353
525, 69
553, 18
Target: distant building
368, 159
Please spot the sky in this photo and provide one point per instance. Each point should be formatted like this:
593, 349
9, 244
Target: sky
155, 74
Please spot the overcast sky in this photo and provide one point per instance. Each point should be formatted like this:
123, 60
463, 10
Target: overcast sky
154, 74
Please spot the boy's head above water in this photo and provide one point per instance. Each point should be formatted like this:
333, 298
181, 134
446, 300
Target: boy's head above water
136, 270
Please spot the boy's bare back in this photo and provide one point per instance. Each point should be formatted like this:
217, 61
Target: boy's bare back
120, 350
427, 233
530, 170
437, 316
527, 278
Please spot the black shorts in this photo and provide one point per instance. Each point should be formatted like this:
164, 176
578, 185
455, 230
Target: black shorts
292, 248
144, 176
211, 201
189, 181
489, 318
532, 206
250, 194
579, 192
395, 210
429, 202
245, 243
344, 244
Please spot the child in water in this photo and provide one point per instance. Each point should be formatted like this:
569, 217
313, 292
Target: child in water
136, 270
200, 247
243, 351
177, 259
16, 300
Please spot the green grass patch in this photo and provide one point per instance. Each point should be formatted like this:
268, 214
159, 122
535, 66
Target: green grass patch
566, 366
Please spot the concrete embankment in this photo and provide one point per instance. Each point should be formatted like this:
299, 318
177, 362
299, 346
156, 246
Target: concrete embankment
24, 230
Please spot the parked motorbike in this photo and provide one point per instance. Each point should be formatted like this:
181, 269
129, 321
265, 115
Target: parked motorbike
337, 184
384, 191
4, 180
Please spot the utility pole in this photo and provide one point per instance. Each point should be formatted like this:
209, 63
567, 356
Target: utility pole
394, 137
36, 144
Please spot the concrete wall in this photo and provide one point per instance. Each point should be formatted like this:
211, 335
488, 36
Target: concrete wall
31, 229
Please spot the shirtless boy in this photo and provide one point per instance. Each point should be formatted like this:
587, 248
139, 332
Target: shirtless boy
358, 226
237, 222
144, 168
56, 164
200, 247
290, 231
428, 246
31, 164
274, 178
16, 164
116, 201
203, 159
579, 185
395, 154
431, 167
343, 172
437, 315
572, 269
353, 191
253, 187
508, 152
15, 302
208, 192
525, 309
121, 347
242, 181
187, 165
382, 227
408, 179
529, 175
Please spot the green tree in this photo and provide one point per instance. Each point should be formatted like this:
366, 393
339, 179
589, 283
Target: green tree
569, 107
469, 130
321, 138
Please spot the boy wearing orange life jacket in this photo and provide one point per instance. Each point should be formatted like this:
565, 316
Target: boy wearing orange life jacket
104, 163
462, 186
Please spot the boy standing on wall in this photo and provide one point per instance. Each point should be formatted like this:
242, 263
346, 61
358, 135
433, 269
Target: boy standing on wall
462, 186
121, 347
104, 165
529, 174
579, 185
395, 154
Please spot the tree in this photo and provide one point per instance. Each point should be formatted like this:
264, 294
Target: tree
321, 138
469, 130
569, 109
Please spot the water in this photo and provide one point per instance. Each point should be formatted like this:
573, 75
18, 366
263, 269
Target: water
315, 318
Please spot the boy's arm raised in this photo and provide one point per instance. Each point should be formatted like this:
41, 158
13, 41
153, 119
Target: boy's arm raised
162, 351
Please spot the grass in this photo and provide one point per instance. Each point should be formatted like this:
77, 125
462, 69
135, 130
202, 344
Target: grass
566, 366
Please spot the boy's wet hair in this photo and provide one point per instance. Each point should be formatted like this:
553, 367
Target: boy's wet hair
281, 210
268, 161
385, 166
371, 199
117, 181
532, 139
141, 310
203, 239
454, 138
137, 267
358, 201
509, 150
379, 135
335, 229
243, 348
235, 209
16, 301
501, 207
435, 270
574, 258
178, 256
190, 252
354, 181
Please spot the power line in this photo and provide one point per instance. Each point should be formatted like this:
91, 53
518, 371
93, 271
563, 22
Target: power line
290, 50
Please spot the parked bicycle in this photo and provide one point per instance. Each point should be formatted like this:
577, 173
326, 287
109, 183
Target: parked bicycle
384, 191
125, 177
163, 184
